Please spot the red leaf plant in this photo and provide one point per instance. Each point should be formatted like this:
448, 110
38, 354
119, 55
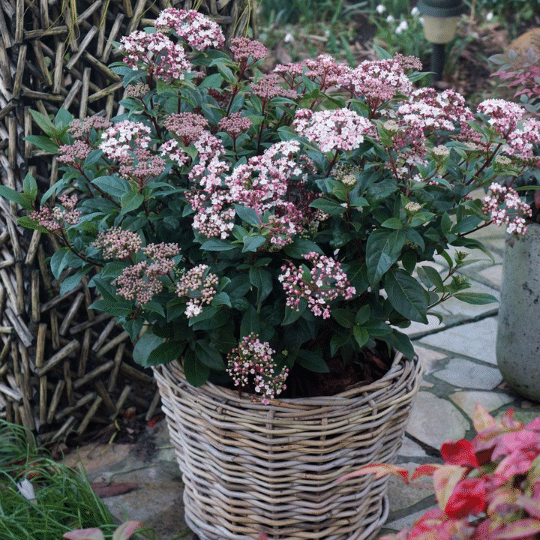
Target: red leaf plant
487, 488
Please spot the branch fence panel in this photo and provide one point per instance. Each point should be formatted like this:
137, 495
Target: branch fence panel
64, 367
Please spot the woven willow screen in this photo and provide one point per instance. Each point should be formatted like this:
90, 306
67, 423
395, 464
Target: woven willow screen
63, 366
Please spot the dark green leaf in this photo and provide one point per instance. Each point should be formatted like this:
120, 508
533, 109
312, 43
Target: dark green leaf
30, 187
406, 295
361, 335
392, 223
409, 261
248, 215
446, 223
43, 143
344, 317
251, 323
118, 309
478, 299
225, 72
363, 314
196, 372
71, 282
301, 247
382, 251
212, 81
112, 185
28, 223
293, 314
313, 361
15, 196
44, 123
434, 276
328, 207
208, 355
216, 244
262, 280
466, 225
207, 313
253, 243
402, 343
131, 201
144, 347
337, 341
62, 259
165, 352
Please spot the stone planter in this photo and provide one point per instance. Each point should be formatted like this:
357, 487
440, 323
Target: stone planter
250, 468
518, 330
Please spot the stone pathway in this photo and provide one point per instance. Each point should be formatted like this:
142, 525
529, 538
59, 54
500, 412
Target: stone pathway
460, 371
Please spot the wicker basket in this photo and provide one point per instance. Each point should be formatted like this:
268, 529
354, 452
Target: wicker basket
250, 468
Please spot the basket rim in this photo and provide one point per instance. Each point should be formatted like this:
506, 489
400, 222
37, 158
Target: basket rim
396, 371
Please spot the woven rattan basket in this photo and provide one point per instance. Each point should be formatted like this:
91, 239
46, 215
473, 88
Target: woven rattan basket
250, 468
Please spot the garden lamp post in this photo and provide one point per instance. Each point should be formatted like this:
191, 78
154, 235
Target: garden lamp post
440, 20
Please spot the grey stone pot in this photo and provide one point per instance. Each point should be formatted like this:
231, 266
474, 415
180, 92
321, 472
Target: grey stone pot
518, 330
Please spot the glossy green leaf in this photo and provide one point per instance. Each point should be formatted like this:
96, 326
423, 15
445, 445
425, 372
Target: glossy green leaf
208, 355
382, 251
478, 299
253, 243
16, 197
144, 347
406, 295
196, 372
131, 201
361, 335
344, 317
313, 361
262, 280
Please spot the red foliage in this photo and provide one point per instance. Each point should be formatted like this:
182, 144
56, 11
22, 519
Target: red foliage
488, 488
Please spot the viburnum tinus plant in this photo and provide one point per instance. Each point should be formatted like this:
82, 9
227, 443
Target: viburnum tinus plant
522, 74
257, 224
487, 488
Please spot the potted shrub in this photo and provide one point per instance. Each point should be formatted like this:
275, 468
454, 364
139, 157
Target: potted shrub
262, 238
518, 325
487, 488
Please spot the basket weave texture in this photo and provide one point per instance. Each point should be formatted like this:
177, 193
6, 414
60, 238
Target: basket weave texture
250, 468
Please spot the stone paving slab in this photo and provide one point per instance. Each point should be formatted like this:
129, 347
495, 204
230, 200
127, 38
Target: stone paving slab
475, 340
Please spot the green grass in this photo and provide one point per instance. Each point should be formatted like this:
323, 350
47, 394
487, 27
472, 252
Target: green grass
63, 499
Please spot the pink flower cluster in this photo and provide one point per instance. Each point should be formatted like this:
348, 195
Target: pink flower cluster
323, 70
187, 126
122, 140
117, 243
333, 130
433, 111
268, 87
197, 30
378, 81
59, 218
262, 184
156, 54
520, 143
251, 363
319, 286
80, 129
144, 169
504, 115
199, 286
247, 51
502, 201
141, 281
487, 489
235, 124
74, 154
